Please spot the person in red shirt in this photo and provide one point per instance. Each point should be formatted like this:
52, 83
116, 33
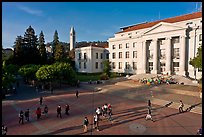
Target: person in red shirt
38, 113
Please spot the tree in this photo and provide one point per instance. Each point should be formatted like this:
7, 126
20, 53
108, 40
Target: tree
42, 49
106, 67
7, 76
31, 43
59, 54
197, 61
55, 41
28, 71
18, 50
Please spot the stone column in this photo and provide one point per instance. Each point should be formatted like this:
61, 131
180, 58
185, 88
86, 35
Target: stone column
168, 55
182, 56
155, 56
144, 66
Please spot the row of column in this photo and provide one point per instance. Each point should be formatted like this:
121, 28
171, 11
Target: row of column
169, 54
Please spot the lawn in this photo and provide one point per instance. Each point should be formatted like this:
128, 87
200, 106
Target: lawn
84, 77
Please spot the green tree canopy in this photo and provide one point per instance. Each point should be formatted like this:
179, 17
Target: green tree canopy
106, 67
42, 49
197, 61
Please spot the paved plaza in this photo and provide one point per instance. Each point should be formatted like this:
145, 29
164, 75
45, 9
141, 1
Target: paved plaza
129, 105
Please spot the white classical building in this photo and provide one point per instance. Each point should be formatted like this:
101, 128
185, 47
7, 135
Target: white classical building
89, 59
163, 46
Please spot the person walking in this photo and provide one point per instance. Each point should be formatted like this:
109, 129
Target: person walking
85, 124
77, 93
149, 104
46, 111
41, 100
21, 117
67, 109
59, 109
38, 113
149, 116
181, 106
110, 115
27, 114
96, 123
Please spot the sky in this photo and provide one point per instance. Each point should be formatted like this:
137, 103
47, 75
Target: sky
92, 21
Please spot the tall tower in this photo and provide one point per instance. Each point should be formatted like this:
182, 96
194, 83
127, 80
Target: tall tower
72, 39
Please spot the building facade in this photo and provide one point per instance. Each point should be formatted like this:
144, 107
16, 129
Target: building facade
159, 47
90, 59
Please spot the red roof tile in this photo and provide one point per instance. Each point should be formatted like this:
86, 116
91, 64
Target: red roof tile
168, 20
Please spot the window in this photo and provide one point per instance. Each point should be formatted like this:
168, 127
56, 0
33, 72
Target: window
200, 37
79, 65
134, 44
176, 53
161, 42
113, 55
101, 55
151, 54
150, 66
127, 54
134, 65
120, 55
120, 46
163, 67
120, 65
113, 46
84, 65
127, 45
79, 56
96, 65
162, 54
107, 55
101, 65
127, 65
96, 55
134, 54
113, 65
84, 55
176, 40
176, 66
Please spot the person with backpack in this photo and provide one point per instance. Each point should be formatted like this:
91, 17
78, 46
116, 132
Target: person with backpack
21, 117
85, 124
181, 106
27, 114
67, 109
59, 109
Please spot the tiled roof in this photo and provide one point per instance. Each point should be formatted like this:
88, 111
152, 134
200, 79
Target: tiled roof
168, 20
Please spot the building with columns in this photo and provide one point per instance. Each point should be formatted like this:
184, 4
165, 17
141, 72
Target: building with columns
159, 47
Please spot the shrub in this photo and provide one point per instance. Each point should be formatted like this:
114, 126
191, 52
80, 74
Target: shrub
104, 76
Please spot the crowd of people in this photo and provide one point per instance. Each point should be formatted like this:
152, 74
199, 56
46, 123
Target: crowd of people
158, 80
26, 115
105, 111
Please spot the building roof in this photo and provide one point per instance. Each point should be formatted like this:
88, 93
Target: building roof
168, 20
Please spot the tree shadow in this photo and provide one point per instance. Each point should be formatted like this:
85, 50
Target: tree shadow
165, 106
65, 129
192, 106
187, 110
